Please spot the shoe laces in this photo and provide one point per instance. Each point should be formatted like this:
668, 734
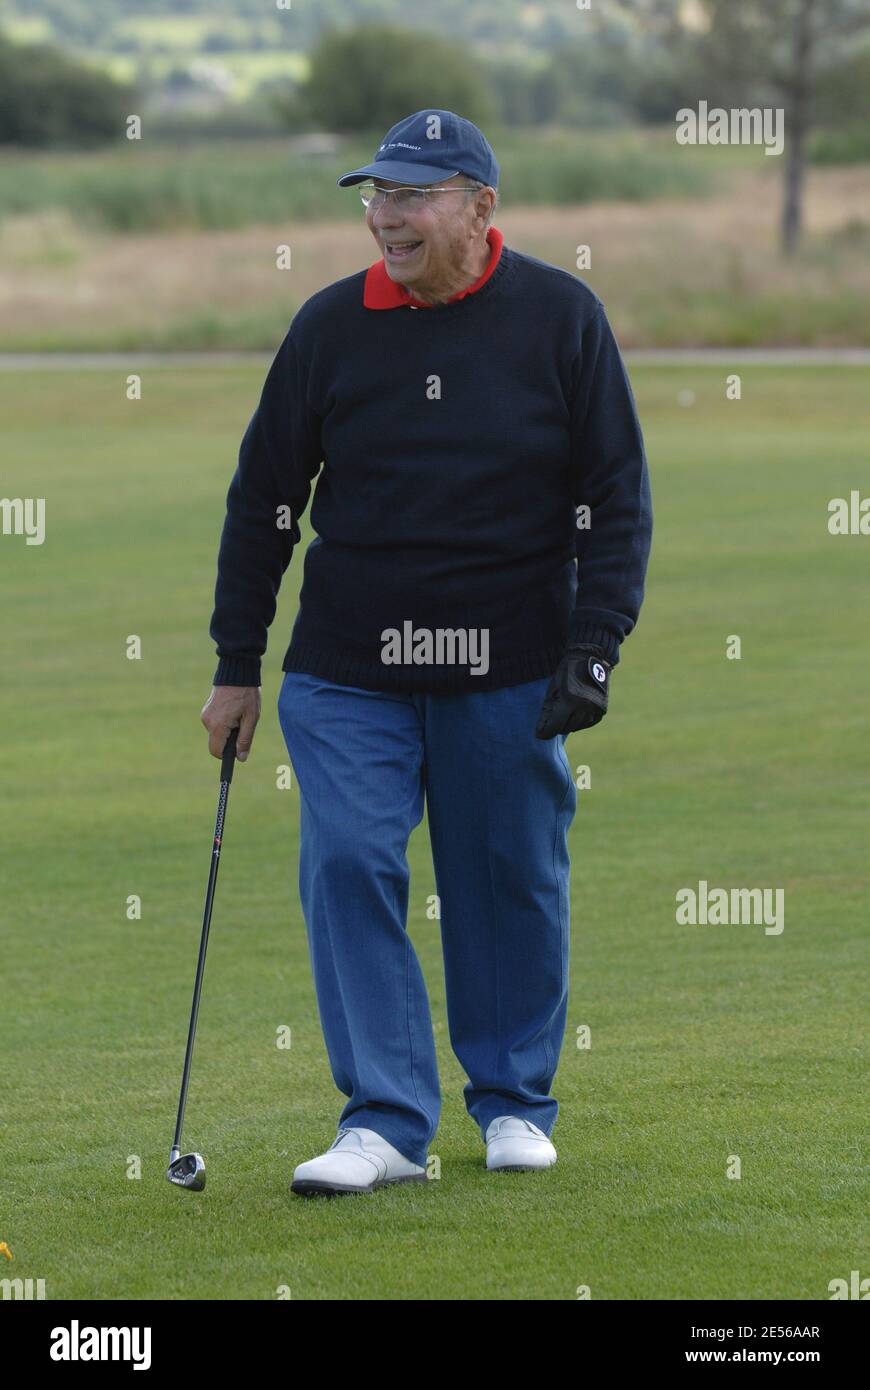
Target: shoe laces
341, 1136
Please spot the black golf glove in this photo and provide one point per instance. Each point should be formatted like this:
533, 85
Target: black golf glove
576, 697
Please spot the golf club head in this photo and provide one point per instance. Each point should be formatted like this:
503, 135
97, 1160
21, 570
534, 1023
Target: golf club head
187, 1171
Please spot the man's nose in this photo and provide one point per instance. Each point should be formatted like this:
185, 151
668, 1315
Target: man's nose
386, 214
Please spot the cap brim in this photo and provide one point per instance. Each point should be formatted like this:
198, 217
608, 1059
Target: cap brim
397, 173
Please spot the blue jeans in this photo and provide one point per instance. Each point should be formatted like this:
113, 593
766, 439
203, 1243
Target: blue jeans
499, 804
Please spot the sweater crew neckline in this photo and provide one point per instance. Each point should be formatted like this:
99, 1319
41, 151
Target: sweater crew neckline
463, 303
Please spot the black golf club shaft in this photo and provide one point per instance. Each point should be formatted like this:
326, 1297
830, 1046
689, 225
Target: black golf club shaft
229, 755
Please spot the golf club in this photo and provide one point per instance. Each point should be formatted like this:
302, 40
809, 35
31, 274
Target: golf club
188, 1170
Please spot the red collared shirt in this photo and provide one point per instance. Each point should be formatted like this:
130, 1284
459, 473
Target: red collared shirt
381, 292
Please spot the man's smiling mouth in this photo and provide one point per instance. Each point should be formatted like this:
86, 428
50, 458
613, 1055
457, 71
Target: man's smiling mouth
400, 250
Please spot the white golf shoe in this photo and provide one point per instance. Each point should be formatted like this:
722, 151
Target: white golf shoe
515, 1145
359, 1160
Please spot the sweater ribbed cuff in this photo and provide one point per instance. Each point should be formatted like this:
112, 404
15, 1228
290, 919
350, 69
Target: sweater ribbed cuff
237, 670
595, 636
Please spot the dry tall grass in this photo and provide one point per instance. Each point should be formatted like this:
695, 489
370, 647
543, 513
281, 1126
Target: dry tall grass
672, 272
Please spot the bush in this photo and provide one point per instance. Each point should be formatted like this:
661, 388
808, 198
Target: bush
221, 184
369, 77
849, 145
46, 99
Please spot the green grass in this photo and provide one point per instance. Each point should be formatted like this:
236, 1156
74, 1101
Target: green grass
789, 315
213, 184
707, 1041
33, 29
185, 32
248, 67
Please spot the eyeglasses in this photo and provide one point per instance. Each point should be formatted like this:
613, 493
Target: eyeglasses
408, 199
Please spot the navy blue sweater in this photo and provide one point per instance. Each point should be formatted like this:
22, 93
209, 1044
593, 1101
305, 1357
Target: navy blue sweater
458, 443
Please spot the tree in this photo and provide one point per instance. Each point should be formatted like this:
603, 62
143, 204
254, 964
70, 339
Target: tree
47, 99
366, 79
783, 49
767, 52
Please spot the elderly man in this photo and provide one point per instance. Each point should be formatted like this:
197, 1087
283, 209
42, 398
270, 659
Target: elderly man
482, 524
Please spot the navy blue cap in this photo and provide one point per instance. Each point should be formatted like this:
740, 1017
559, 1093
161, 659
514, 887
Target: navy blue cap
428, 147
